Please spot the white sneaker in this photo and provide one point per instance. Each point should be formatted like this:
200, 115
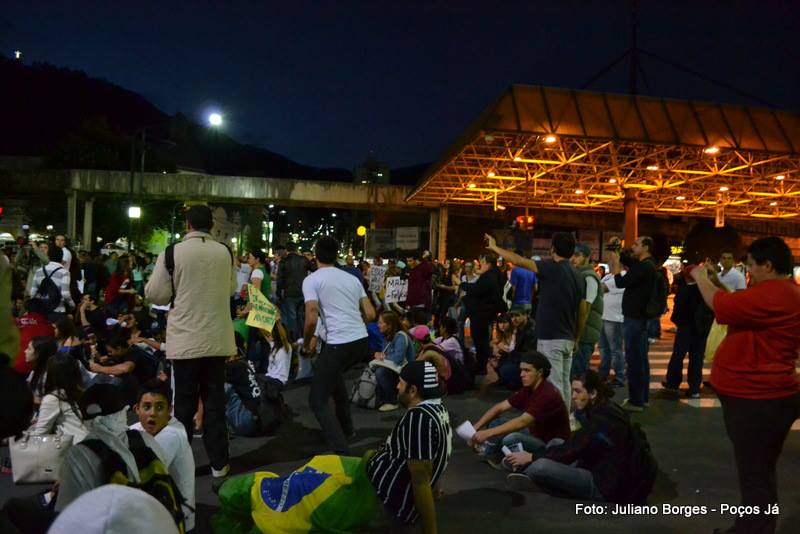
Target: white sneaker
221, 473
388, 407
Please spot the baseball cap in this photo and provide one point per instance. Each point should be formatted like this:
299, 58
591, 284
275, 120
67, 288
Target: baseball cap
584, 249
424, 376
517, 309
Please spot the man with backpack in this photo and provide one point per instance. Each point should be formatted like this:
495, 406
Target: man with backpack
51, 286
607, 459
153, 408
113, 454
644, 299
198, 278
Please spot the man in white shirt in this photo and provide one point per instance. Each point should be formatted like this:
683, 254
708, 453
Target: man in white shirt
61, 242
60, 277
731, 277
337, 299
611, 354
153, 408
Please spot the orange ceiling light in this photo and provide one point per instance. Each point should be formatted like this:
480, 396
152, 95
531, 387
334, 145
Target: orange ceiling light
711, 150
550, 139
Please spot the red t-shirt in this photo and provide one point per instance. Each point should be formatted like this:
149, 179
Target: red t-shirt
547, 408
756, 360
30, 325
419, 285
115, 283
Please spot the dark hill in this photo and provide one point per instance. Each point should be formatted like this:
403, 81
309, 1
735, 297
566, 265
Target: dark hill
77, 121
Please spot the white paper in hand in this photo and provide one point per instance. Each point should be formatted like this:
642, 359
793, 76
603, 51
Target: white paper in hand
465, 430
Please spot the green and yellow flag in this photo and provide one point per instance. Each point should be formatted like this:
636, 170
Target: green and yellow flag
263, 313
328, 494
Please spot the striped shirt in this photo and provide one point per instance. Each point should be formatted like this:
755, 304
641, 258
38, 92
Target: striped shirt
423, 433
61, 279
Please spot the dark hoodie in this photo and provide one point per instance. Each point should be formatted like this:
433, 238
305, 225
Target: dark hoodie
603, 446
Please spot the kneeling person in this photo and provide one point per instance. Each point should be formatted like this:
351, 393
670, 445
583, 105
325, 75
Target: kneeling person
153, 408
406, 468
544, 420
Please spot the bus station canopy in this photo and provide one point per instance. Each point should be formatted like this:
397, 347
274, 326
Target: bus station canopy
551, 148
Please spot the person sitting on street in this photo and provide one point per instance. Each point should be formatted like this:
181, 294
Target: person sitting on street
398, 350
59, 412
129, 366
242, 394
544, 421
407, 468
153, 408
594, 463
524, 341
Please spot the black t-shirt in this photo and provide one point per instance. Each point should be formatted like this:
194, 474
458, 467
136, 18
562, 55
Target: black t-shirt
242, 376
97, 320
561, 288
423, 433
146, 364
638, 285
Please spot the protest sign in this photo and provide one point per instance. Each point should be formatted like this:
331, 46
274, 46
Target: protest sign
376, 276
396, 289
263, 313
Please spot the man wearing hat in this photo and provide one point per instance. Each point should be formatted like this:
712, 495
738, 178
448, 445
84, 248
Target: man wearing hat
590, 310
544, 415
406, 468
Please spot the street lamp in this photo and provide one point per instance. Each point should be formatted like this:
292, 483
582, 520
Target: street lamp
134, 212
215, 119
49, 227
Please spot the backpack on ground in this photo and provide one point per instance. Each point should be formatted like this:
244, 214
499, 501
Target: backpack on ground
48, 293
364, 392
642, 468
657, 303
272, 409
154, 476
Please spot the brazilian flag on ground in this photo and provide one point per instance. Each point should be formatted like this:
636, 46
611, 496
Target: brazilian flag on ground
328, 494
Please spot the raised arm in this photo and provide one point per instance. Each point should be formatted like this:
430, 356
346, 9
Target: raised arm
516, 259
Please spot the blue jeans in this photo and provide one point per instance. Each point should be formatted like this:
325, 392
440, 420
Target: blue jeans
556, 477
293, 315
636, 348
654, 328
611, 354
687, 339
580, 362
386, 392
240, 419
529, 443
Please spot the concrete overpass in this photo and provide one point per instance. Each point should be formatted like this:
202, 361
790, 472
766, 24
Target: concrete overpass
82, 187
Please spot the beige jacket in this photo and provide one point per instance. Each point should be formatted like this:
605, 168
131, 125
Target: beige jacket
199, 324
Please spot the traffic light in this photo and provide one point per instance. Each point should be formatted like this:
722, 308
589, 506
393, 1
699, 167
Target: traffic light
524, 223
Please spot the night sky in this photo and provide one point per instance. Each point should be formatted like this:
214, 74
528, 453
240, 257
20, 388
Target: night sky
326, 82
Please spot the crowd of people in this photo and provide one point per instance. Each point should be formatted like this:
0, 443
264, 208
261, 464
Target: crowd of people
168, 337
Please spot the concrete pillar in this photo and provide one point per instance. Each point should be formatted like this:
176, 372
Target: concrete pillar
88, 213
433, 233
72, 214
442, 248
631, 203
